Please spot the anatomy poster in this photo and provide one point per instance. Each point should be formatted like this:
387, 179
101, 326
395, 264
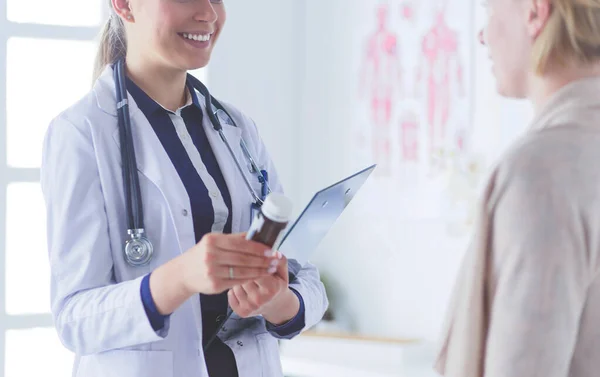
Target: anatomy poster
414, 103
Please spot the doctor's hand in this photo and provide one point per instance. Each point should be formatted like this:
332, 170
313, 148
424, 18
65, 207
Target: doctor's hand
221, 261
268, 296
207, 268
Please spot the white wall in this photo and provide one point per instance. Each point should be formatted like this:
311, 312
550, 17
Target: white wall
393, 286
255, 67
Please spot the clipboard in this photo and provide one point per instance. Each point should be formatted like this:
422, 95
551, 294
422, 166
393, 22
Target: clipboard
304, 235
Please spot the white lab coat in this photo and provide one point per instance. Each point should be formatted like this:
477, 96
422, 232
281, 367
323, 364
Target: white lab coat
95, 294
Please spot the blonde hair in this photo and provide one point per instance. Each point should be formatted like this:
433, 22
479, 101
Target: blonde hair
113, 43
572, 35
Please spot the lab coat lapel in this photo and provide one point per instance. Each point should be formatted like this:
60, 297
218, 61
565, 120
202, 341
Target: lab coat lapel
154, 163
227, 164
151, 158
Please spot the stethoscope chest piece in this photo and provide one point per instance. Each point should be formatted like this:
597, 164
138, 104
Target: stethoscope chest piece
138, 249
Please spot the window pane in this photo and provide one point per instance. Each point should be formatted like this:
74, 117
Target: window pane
44, 77
36, 352
27, 266
56, 12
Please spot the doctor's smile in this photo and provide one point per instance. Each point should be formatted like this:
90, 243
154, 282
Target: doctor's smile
197, 39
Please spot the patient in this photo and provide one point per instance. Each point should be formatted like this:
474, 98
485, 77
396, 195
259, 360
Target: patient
527, 300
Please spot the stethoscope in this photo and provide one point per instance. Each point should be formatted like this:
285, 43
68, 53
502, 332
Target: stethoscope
138, 248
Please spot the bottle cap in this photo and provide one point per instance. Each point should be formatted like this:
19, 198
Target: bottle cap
277, 207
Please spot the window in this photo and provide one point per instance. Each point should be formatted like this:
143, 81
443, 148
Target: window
40, 345
41, 42
28, 79
62, 12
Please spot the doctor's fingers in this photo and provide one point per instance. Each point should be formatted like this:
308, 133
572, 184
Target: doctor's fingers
230, 258
234, 242
238, 273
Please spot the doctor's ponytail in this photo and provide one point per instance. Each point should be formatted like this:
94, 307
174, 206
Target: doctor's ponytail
113, 43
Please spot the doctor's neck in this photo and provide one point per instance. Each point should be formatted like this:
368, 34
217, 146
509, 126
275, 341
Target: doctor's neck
166, 86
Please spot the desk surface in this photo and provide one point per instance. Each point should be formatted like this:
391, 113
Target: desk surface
359, 337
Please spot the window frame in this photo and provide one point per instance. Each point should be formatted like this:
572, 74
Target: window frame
8, 175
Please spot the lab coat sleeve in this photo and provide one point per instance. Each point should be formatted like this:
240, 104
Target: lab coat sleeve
539, 274
91, 312
308, 285
308, 281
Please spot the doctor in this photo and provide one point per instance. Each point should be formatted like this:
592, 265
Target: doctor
198, 172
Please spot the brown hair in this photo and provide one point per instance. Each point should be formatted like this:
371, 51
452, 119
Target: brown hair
113, 43
572, 35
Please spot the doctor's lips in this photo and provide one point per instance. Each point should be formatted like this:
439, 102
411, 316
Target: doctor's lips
197, 38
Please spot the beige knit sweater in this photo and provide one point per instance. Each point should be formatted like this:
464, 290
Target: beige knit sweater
527, 299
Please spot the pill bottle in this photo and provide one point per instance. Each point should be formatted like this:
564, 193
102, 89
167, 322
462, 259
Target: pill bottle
272, 217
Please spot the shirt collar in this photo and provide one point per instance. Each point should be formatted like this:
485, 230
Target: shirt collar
149, 106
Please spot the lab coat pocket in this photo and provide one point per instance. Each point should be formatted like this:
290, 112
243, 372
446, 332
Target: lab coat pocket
268, 349
127, 363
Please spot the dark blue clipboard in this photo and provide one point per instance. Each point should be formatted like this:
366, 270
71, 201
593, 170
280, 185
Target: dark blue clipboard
304, 235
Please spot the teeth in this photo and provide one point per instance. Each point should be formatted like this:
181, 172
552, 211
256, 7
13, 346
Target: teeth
197, 37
